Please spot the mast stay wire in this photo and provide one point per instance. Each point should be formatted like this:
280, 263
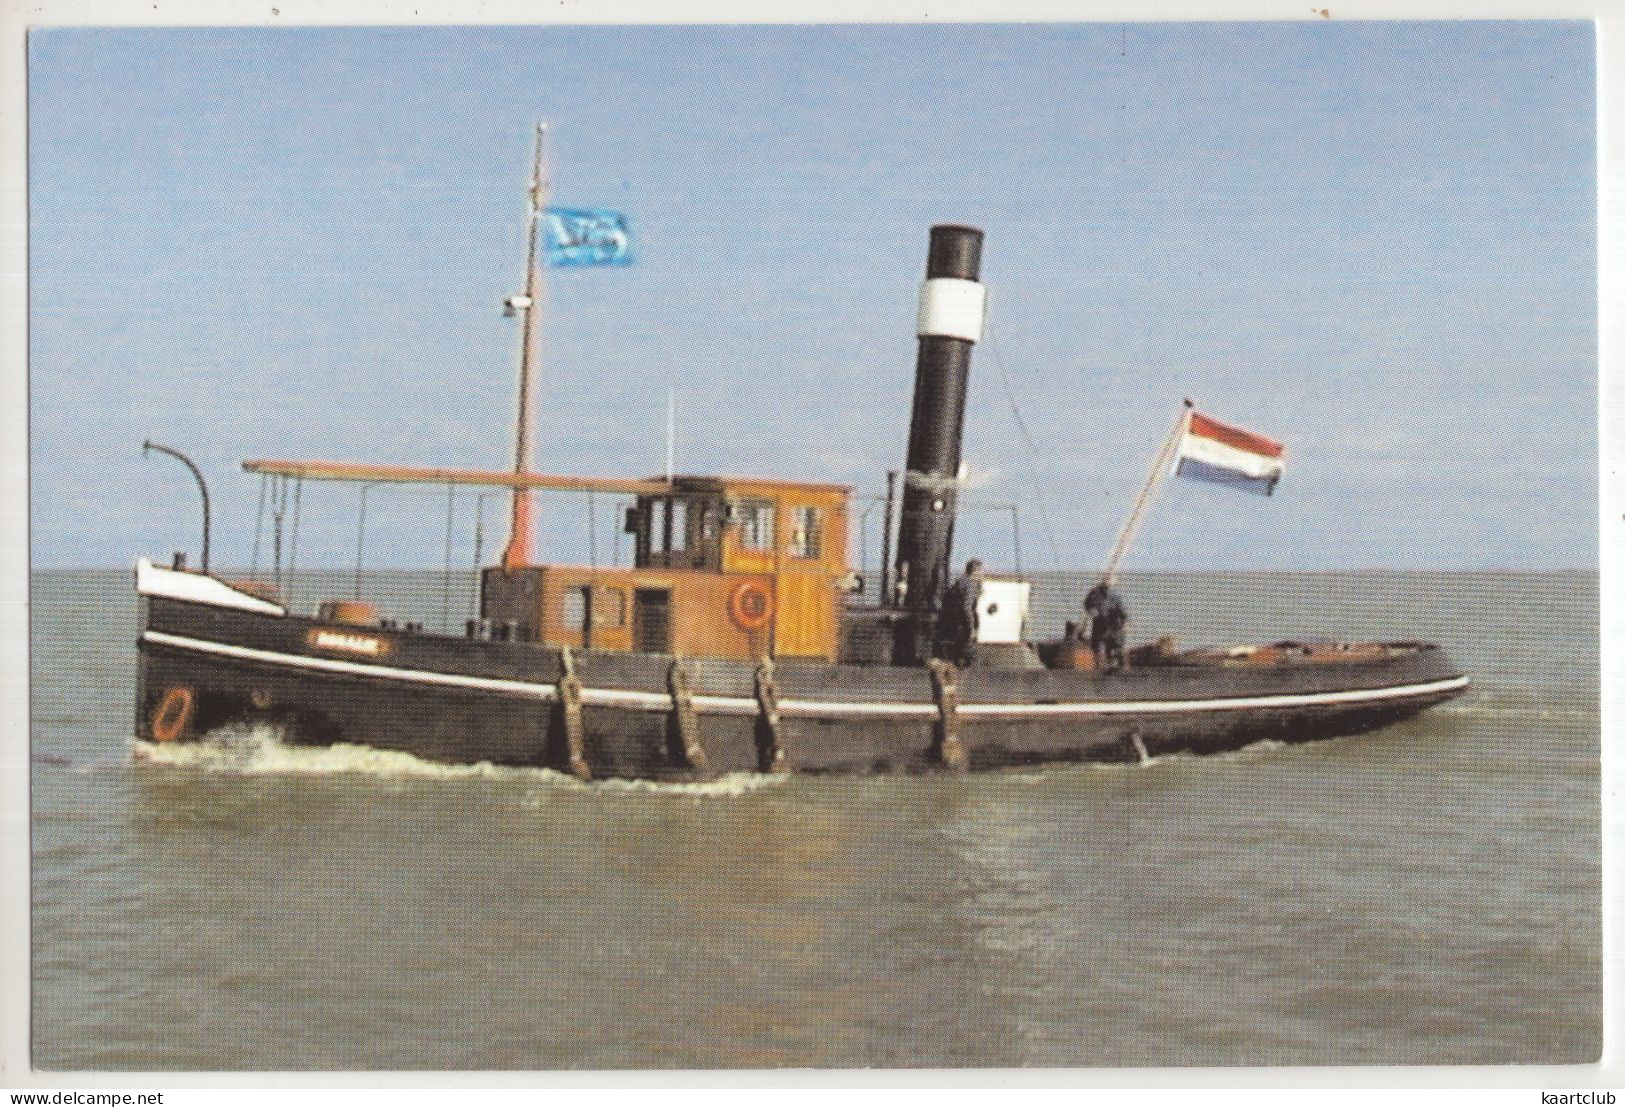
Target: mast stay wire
259, 525
293, 539
360, 536
445, 565
479, 550
1032, 448
279, 509
592, 531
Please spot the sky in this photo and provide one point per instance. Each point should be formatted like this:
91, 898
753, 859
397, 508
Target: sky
1372, 242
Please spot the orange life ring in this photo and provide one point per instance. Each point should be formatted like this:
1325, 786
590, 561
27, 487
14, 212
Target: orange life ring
173, 712
750, 605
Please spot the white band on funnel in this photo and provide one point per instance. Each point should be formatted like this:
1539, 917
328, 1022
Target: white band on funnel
952, 308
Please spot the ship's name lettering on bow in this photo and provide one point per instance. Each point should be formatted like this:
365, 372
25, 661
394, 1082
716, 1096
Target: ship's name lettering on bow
349, 643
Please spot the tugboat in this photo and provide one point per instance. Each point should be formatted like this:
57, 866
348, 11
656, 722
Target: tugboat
739, 639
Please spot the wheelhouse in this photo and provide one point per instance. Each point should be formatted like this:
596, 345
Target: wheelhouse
722, 567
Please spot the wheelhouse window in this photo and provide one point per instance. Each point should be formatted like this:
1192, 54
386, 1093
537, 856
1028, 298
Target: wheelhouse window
674, 529
755, 524
677, 532
807, 532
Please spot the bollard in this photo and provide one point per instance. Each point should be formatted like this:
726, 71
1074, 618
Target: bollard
948, 749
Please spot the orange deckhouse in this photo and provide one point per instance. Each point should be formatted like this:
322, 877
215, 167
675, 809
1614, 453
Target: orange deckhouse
722, 567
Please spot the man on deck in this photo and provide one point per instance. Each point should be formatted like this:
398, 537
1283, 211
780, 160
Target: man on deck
956, 626
1108, 619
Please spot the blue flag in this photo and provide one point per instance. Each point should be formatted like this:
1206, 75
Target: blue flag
585, 237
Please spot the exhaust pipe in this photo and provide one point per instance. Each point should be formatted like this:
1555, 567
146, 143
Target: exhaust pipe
952, 310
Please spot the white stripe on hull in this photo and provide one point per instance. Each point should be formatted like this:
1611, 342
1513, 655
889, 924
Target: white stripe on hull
743, 705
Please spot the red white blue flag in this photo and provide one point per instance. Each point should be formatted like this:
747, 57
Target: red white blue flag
1213, 451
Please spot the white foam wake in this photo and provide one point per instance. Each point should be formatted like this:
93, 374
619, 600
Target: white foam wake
1512, 709
1252, 751
1262, 748
258, 750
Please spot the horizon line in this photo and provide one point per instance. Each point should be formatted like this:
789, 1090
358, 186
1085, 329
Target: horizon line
130, 568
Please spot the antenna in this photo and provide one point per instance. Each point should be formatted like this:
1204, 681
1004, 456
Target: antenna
671, 432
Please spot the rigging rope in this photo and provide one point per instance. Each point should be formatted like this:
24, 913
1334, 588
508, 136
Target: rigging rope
592, 531
259, 523
293, 538
445, 567
479, 550
1032, 448
279, 508
360, 536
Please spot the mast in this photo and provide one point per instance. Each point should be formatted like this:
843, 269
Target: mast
528, 305
1142, 503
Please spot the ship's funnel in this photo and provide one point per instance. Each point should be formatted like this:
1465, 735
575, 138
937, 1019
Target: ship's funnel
952, 307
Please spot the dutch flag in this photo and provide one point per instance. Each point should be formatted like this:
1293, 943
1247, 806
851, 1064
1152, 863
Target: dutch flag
1213, 451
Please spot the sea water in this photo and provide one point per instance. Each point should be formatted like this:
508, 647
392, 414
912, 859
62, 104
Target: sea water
1426, 894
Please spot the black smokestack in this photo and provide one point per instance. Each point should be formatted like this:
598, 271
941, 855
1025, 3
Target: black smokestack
951, 313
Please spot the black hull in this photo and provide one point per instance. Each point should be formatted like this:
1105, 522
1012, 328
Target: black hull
465, 701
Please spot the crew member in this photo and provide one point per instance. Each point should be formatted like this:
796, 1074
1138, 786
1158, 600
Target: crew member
956, 626
1108, 619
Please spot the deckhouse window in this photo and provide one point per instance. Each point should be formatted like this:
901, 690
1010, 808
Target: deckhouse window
592, 606
608, 607
575, 609
807, 532
756, 524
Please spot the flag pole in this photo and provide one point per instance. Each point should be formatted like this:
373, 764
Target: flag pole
518, 551
1142, 503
